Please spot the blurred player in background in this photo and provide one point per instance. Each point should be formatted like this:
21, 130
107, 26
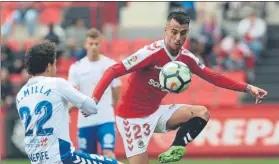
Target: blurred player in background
139, 113
85, 74
42, 104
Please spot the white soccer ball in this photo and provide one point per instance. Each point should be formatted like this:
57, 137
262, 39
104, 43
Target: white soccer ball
175, 77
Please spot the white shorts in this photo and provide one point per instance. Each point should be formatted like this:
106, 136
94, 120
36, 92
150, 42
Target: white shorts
136, 132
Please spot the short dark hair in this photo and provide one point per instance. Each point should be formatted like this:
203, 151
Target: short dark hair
180, 16
39, 56
93, 33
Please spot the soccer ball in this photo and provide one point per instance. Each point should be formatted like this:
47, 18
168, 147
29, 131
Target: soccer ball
175, 77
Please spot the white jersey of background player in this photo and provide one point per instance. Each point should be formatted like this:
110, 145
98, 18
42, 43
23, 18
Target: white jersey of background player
42, 104
85, 74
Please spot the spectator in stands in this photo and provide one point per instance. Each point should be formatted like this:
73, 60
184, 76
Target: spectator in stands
8, 103
26, 14
196, 48
6, 88
53, 36
189, 8
211, 35
237, 56
75, 35
174, 5
17, 66
7, 58
252, 30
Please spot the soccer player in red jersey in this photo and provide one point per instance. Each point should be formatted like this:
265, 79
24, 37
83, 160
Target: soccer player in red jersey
139, 113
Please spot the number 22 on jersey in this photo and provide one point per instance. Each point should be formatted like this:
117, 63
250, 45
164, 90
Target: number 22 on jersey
43, 106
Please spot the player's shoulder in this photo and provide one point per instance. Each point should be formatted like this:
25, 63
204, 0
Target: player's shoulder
79, 63
185, 52
190, 56
151, 49
58, 80
20, 92
55, 82
154, 46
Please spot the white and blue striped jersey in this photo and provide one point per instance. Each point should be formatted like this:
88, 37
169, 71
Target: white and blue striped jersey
42, 104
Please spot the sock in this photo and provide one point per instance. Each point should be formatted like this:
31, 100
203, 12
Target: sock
188, 131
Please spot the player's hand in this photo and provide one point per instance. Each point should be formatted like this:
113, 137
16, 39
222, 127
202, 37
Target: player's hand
77, 87
256, 92
85, 114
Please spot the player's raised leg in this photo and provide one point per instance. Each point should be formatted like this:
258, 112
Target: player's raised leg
190, 120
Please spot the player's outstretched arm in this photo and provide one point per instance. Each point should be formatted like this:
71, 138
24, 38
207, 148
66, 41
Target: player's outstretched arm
228, 83
111, 73
79, 100
259, 93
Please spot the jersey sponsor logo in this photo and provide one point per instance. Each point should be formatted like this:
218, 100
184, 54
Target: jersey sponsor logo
82, 143
133, 59
130, 61
108, 141
141, 144
39, 156
44, 141
156, 84
34, 143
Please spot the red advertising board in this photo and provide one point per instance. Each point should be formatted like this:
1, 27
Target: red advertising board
249, 130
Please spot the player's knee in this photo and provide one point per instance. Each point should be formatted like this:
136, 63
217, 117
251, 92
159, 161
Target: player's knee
203, 113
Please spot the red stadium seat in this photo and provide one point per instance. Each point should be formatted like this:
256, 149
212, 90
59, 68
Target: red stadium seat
56, 4
63, 64
14, 45
5, 14
120, 47
8, 5
16, 78
139, 43
62, 75
104, 47
28, 43
50, 15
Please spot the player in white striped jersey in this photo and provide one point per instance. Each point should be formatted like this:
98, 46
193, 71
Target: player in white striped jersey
42, 104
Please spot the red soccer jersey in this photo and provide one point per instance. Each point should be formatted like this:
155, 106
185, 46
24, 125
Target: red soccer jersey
144, 93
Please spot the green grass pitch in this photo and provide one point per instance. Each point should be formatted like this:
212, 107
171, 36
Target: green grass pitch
192, 161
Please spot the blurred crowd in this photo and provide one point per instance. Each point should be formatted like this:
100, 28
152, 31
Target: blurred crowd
214, 44
223, 50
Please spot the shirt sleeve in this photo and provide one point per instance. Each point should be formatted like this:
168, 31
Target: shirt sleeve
75, 97
212, 77
73, 76
141, 59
